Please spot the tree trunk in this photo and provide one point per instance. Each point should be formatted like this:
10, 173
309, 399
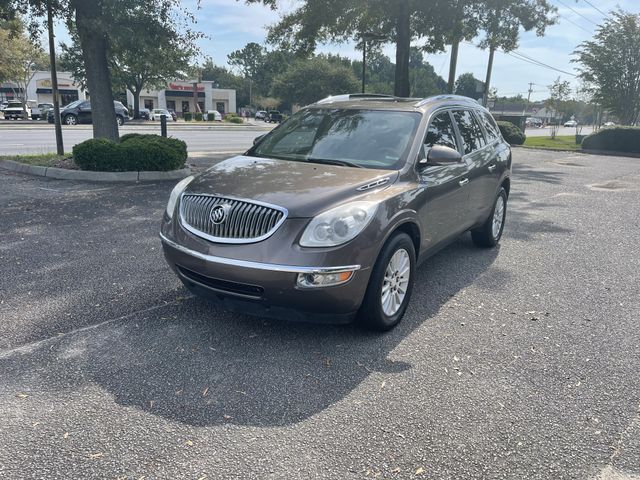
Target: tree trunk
487, 81
452, 66
93, 42
403, 46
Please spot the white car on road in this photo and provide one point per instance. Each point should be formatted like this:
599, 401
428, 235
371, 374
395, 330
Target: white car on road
156, 113
571, 123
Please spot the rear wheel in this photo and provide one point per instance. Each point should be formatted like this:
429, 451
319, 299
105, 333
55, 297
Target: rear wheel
488, 235
390, 285
119, 120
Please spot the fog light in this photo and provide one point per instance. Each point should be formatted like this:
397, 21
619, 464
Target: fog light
310, 280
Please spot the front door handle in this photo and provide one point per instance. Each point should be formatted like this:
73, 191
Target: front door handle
462, 183
491, 168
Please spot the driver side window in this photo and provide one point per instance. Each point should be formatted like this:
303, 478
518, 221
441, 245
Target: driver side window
441, 132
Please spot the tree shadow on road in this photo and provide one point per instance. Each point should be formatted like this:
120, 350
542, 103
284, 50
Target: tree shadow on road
194, 363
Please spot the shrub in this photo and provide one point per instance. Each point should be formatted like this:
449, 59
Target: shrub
198, 116
616, 139
135, 152
512, 133
211, 117
187, 116
235, 120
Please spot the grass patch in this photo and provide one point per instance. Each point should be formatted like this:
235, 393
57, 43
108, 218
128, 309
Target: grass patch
561, 142
44, 160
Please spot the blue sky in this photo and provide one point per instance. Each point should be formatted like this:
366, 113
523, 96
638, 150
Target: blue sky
231, 24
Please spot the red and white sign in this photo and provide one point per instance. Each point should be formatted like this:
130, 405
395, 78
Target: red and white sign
184, 86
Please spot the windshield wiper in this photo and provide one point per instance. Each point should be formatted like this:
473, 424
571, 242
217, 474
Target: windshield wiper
328, 161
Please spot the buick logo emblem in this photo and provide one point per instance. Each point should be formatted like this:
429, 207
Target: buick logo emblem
218, 214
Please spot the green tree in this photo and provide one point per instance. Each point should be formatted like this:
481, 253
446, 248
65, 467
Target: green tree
610, 65
142, 55
400, 22
248, 60
559, 94
308, 81
20, 57
467, 85
501, 21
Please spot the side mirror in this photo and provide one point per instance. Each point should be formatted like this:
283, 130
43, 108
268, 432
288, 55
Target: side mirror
258, 138
440, 154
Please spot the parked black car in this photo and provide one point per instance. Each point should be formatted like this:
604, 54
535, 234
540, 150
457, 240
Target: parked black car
80, 112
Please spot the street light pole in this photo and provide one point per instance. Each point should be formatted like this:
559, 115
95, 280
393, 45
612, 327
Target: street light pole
54, 81
364, 62
365, 37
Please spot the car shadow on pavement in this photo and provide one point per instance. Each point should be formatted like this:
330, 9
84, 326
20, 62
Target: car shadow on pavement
191, 362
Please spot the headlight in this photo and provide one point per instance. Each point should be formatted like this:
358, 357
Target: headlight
175, 193
338, 225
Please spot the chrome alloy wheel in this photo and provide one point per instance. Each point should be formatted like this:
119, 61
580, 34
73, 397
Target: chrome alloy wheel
396, 281
498, 217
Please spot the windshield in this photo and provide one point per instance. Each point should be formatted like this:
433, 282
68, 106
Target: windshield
363, 138
73, 104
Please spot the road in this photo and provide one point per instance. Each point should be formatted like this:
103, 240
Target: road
39, 137
515, 363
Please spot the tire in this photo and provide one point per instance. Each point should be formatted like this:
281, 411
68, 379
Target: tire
396, 254
70, 120
119, 120
488, 235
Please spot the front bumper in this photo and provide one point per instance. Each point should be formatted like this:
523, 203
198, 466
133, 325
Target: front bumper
267, 289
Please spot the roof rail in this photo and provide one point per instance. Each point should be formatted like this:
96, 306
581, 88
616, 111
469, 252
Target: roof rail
354, 96
424, 101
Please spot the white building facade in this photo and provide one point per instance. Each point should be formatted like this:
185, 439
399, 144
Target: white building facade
39, 89
179, 97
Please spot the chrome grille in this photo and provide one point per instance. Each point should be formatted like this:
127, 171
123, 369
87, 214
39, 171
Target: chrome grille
243, 222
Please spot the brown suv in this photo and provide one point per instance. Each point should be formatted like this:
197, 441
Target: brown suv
327, 216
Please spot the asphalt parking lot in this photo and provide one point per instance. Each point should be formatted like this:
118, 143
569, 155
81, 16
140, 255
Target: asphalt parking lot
516, 363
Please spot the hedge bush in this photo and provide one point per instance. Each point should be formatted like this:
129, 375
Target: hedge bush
512, 133
235, 120
211, 117
616, 139
187, 116
198, 117
135, 152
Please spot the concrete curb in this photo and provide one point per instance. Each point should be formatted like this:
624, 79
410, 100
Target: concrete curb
607, 153
85, 175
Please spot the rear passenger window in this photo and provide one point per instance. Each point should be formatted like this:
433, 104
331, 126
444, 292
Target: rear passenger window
470, 131
441, 132
489, 126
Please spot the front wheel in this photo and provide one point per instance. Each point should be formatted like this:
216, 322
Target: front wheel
390, 285
119, 120
488, 235
71, 120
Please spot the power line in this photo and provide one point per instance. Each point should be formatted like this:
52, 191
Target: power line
576, 24
528, 59
577, 13
596, 8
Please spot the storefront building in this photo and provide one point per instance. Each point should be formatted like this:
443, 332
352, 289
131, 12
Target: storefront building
179, 97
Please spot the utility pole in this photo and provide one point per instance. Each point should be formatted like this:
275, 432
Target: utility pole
54, 81
487, 81
452, 66
524, 109
364, 62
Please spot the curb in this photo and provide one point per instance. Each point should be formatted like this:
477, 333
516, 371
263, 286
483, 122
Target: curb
66, 174
607, 153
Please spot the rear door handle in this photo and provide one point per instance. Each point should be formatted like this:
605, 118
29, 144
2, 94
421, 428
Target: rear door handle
492, 167
462, 183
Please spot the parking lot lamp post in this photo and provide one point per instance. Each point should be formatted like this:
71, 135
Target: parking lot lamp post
367, 37
54, 81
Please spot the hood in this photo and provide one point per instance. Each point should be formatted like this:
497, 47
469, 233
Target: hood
304, 189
